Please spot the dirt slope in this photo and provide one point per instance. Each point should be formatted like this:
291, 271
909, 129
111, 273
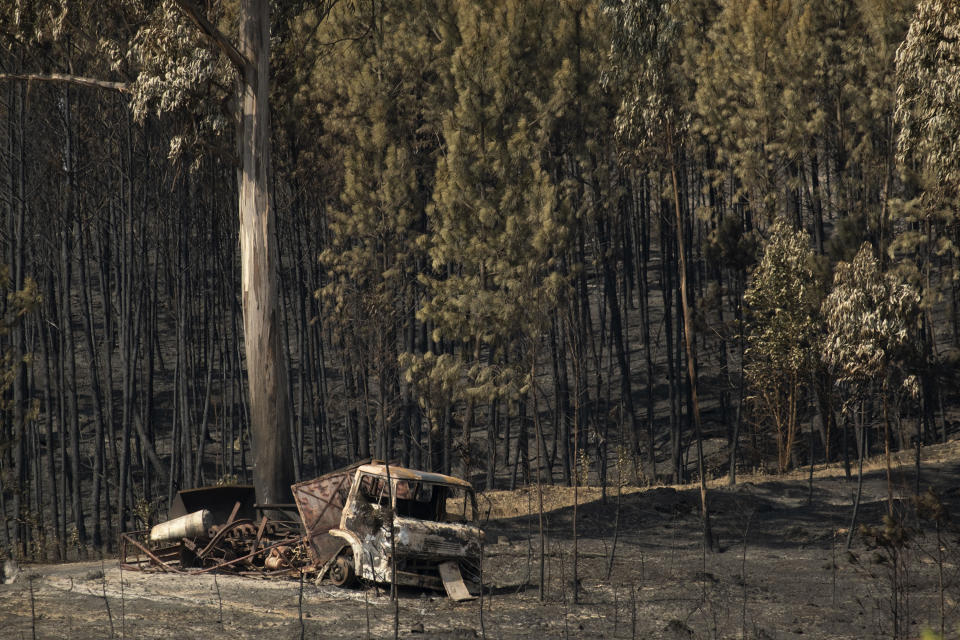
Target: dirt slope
781, 572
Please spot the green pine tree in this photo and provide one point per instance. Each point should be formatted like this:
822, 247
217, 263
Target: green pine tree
495, 236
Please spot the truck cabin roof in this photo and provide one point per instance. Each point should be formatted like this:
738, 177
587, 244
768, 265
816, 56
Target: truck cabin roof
403, 473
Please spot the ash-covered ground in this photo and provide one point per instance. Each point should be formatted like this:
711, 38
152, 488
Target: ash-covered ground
780, 571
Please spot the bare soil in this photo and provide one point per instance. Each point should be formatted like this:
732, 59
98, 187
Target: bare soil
780, 571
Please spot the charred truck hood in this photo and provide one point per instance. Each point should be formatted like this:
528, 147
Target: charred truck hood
436, 540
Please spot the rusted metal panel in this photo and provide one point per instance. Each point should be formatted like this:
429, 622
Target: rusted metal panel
320, 502
327, 546
453, 582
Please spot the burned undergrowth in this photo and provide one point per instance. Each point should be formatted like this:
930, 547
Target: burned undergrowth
781, 571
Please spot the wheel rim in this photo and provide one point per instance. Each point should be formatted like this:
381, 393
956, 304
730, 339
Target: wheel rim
340, 572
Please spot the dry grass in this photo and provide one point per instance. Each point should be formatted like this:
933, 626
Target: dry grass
522, 502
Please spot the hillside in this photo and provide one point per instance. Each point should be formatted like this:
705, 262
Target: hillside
781, 572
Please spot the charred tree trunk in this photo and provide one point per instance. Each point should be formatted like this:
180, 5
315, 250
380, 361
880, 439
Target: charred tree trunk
689, 339
18, 340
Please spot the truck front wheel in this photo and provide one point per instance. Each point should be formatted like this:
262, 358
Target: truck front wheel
342, 573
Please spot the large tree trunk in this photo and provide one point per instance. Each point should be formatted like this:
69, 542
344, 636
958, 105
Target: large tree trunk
266, 369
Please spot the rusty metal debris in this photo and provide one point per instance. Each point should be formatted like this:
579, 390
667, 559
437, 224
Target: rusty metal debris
206, 540
343, 532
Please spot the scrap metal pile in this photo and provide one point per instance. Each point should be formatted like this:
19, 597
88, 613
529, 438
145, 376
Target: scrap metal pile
368, 522
242, 539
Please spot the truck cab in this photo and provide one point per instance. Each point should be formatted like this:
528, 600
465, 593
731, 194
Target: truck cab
434, 531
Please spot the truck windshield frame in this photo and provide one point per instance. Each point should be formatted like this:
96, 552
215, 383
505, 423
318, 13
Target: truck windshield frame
412, 498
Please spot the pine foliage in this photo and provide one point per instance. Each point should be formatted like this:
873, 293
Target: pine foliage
505, 216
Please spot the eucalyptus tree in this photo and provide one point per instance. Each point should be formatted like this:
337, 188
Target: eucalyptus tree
182, 58
249, 62
783, 304
929, 119
870, 345
928, 122
928, 94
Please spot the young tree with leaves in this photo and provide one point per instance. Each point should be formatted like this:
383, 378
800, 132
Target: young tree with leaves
783, 303
870, 346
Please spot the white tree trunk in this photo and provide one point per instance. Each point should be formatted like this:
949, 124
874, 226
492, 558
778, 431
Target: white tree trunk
259, 256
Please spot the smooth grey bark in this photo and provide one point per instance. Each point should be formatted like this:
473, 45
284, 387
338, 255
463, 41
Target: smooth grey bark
259, 258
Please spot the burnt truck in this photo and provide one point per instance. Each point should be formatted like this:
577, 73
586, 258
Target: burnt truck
344, 531
347, 516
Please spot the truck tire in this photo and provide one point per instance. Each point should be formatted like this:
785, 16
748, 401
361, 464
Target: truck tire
342, 573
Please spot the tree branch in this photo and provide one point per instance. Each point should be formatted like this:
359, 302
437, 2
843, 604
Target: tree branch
214, 35
122, 87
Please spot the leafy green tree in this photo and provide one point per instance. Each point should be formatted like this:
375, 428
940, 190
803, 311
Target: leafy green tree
870, 346
870, 319
182, 78
783, 303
